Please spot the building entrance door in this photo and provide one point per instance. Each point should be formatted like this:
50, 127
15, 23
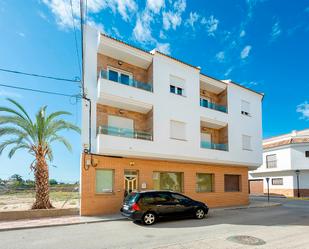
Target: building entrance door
130, 180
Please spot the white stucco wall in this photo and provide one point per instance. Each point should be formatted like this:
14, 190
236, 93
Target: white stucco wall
168, 106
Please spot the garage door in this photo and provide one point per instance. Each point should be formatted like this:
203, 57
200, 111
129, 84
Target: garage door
256, 187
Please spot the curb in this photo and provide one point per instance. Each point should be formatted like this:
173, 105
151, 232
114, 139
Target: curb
63, 224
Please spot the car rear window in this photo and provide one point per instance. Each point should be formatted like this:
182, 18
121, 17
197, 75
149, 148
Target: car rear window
131, 197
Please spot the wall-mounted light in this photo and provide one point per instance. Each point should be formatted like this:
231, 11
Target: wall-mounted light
132, 164
121, 111
120, 63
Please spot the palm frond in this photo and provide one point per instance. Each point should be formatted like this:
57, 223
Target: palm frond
8, 130
17, 141
65, 142
53, 115
18, 147
20, 108
18, 121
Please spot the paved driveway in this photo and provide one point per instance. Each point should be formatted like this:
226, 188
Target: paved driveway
286, 226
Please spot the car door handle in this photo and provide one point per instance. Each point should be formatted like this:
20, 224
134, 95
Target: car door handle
159, 205
178, 205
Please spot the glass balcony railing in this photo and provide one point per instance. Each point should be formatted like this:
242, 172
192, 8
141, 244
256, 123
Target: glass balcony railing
211, 105
122, 132
213, 146
125, 80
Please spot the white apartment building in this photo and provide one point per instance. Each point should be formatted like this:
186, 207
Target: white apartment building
159, 123
286, 164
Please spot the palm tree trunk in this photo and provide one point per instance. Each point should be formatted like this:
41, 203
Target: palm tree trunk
41, 183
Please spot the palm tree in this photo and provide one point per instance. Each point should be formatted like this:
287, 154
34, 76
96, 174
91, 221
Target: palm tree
36, 136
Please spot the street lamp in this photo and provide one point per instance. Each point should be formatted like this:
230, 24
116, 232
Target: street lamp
297, 175
267, 180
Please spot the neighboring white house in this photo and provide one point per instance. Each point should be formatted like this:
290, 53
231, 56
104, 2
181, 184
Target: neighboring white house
285, 163
165, 117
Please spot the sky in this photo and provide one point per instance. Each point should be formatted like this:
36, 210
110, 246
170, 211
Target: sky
261, 44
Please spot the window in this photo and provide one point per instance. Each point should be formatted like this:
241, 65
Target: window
246, 142
119, 126
277, 181
104, 181
204, 182
168, 181
271, 161
232, 183
113, 75
204, 102
245, 108
177, 130
177, 85
119, 76
306, 153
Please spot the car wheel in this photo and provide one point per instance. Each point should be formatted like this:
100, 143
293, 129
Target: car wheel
149, 218
199, 213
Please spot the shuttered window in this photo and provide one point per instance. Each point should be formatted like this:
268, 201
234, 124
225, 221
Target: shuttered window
232, 183
245, 108
177, 130
177, 85
246, 142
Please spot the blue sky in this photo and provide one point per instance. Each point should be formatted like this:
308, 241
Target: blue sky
261, 44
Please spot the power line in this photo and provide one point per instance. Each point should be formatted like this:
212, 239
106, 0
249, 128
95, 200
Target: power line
76, 45
77, 80
40, 91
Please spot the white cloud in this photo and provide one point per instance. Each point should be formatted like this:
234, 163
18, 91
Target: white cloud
97, 26
303, 109
275, 31
172, 18
142, 32
193, 18
61, 9
220, 56
228, 71
155, 5
162, 35
115, 32
245, 52
164, 48
242, 33
21, 34
9, 94
211, 24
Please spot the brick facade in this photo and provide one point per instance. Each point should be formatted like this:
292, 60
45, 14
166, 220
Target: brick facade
107, 203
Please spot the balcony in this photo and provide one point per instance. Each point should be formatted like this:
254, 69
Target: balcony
211, 105
115, 121
213, 94
214, 136
213, 146
125, 80
123, 132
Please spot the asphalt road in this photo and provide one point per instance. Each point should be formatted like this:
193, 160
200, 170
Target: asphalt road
286, 226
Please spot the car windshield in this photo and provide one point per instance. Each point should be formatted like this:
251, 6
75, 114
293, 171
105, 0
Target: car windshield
132, 197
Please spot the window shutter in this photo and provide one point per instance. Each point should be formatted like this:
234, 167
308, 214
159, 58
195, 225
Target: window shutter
245, 107
246, 142
178, 130
177, 82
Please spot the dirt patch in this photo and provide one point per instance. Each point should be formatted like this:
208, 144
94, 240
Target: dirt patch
24, 200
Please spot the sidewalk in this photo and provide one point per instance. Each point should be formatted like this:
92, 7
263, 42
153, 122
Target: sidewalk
74, 220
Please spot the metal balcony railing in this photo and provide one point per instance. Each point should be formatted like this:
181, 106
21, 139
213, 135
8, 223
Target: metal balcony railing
211, 105
122, 132
213, 146
104, 74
